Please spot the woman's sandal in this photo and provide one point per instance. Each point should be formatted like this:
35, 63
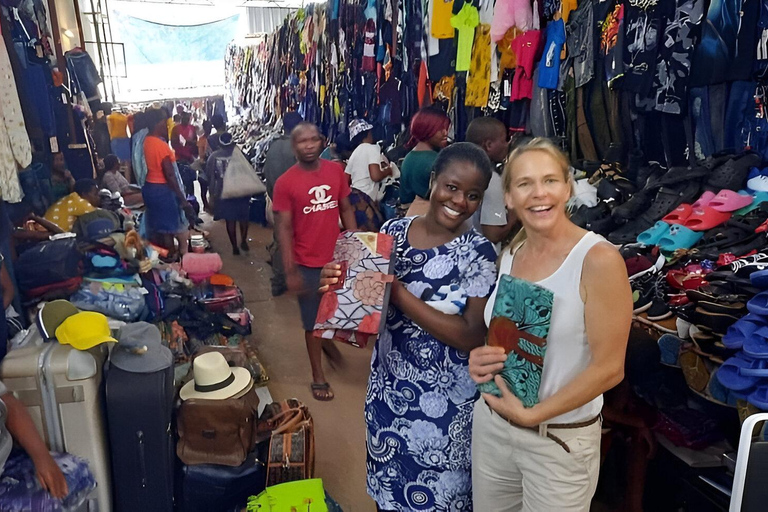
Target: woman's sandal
322, 392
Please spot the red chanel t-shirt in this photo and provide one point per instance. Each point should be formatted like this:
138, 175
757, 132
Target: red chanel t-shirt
313, 198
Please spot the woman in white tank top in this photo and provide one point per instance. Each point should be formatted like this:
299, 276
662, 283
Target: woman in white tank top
546, 457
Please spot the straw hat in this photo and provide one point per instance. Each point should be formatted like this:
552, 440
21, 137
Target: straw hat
215, 379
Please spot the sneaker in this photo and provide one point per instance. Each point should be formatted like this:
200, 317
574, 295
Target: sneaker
643, 293
659, 310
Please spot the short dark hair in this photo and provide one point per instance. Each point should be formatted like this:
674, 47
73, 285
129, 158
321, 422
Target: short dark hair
217, 120
482, 129
464, 152
154, 116
111, 162
84, 186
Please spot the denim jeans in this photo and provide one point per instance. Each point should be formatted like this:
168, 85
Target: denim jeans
701, 119
740, 105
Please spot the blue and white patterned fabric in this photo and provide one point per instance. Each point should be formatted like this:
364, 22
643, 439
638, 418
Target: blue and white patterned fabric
418, 409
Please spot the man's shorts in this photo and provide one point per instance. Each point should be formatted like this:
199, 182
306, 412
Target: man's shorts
309, 300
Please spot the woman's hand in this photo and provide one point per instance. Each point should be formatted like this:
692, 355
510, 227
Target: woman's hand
50, 476
329, 275
510, 407
485, 362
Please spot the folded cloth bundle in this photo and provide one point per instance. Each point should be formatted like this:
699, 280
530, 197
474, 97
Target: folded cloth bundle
351, 311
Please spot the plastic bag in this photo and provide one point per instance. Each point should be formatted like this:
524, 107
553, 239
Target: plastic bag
240, 180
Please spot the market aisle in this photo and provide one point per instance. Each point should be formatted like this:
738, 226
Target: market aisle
339, 425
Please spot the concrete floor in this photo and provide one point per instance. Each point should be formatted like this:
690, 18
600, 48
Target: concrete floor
339, 424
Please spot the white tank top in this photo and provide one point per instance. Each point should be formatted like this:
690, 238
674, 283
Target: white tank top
568, 353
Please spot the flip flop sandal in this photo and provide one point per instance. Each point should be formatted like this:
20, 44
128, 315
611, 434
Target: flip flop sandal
679, 237
718, 393
710, 346
742, 330
718, 306
758, 199
679, 215
759, 279
731, 377
704, 200
669, 198
324, 387
756, 345
747, 223
759, 304
669, 347
759, 397
718, 323
654, 234
664, 326
747, 271
702, 219
740, 262
759, 369
730, 201
743, 286
695, 371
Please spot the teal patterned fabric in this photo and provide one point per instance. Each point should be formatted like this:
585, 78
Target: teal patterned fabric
522, 310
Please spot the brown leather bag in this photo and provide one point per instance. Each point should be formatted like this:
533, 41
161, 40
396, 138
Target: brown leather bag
291, 441
217, 431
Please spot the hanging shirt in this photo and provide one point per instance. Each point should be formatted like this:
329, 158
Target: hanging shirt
118, 125
465, 22
525, 47
643, 33
549, 67
511, 13
612, 44
441, 19
580, 35
15, 148
479, 79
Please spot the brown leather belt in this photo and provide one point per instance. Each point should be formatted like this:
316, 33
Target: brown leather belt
549, 426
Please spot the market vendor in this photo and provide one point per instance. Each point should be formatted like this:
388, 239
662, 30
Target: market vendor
85, 199
62, 182
114, 181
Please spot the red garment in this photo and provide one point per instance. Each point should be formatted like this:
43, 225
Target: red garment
313, 198
526, 49
184, 153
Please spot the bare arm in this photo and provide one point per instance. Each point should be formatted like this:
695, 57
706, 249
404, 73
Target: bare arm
170, 178
378, 173
463, 332
607, 295
7, 285
23, 430
50, 226
347, 215
175, 137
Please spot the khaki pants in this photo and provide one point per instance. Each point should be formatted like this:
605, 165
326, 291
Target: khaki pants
515, 469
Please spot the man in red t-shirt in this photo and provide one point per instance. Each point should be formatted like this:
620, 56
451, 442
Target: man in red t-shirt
308, 201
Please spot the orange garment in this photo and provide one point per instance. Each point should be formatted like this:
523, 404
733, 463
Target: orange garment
566, 6
424, 91
442, 10
155, 151
508, 58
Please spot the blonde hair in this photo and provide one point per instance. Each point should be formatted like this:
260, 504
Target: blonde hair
543, 145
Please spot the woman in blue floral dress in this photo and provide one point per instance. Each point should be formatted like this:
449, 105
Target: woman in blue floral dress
418, 409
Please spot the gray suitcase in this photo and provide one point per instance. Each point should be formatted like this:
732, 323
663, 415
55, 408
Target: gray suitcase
61, 388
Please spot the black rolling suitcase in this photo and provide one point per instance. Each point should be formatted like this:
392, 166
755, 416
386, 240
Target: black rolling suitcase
140, 394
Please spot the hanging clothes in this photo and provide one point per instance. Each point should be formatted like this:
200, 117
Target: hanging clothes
479, 79
465, 22
15, 148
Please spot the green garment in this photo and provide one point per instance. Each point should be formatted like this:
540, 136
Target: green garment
414, 175
465, 22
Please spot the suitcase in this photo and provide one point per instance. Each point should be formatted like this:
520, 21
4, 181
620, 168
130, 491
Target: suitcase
139, 413
61, 388
214, 488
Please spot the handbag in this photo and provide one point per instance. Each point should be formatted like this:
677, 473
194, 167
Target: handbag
291, 441
217, 431
240, 180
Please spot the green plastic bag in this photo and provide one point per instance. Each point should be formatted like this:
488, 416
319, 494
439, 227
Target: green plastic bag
298, 496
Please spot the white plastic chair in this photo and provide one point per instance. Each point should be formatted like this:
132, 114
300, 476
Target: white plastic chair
742, 463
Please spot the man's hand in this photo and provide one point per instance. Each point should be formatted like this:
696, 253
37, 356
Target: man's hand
50, 476
329, 275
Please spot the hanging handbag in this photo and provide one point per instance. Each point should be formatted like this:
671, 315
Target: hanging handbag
291, 441
240, 180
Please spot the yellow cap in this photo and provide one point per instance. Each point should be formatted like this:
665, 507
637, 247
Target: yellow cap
85, 330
